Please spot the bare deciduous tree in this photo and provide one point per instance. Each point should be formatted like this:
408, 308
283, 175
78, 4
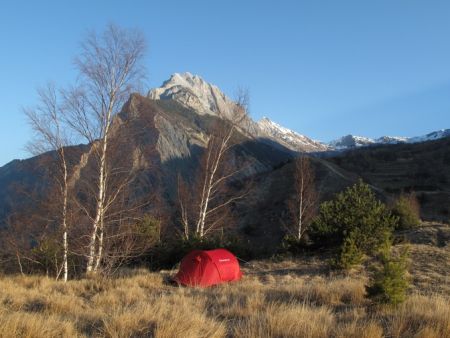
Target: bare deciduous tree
110, 69
47, 121
304, 202
210, 196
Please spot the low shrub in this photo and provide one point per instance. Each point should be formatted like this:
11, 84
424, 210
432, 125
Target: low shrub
407, 209
349, 254
389, 283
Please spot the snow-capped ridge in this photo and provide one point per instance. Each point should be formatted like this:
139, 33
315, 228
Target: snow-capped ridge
204, 98
435, 135
391, 139
290, 138
352, 141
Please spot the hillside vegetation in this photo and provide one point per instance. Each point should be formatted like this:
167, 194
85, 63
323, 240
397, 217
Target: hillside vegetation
290, 298
423, 168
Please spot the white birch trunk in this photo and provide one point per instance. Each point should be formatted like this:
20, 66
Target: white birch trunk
300, 211
64, 219
98, 213
204, 208
100, 248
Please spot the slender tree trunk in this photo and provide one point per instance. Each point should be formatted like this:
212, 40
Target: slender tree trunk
203, 199
204, 207
185, 221
300, 211
185, 225
100, 210
302, 206
100, 248
20, 263
64, 218
183, 204
98, 220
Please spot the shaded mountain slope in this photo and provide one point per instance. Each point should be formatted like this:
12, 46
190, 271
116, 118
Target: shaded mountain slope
157, 139
421, 167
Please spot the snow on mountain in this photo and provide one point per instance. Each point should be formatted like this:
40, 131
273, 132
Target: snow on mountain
391, 140
194, 92
205, 98
351, 141
435, 135
289, 138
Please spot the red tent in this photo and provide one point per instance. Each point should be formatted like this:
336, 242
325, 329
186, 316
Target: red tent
206, 268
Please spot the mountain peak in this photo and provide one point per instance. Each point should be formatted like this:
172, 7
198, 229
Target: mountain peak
185, 79
194, 92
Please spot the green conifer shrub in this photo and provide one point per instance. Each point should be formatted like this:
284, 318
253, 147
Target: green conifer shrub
355, 222
389, 283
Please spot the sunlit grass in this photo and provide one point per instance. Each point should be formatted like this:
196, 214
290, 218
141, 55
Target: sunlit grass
268, 304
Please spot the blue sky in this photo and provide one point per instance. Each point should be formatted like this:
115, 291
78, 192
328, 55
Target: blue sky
322, 68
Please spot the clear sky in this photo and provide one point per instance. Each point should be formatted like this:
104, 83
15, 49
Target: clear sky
322, 68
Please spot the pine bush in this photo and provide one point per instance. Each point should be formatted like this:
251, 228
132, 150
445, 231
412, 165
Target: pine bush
389, 283
356, 222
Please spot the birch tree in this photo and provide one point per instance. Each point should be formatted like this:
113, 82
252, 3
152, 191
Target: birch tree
47, 122
303, 204
110, 69
212, 196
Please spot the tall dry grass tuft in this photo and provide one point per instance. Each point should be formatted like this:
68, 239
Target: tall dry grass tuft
359, 329
338, 291
421, 315
32, 325
286, 320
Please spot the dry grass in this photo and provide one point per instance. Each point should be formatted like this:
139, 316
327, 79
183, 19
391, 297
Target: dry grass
293, 298
261, 305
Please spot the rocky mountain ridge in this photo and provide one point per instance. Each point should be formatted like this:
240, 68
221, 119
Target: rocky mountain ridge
353, 141
207, 99
193, 92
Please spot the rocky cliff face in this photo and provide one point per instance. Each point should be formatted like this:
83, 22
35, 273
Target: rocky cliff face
204, 98
194, 92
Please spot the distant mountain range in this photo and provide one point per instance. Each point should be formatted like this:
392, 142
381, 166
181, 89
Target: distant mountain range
195, 93
352, 141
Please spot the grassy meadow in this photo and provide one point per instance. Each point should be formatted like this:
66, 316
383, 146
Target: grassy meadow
298, 297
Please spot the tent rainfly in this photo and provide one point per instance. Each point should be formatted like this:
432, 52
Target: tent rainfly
206, 268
